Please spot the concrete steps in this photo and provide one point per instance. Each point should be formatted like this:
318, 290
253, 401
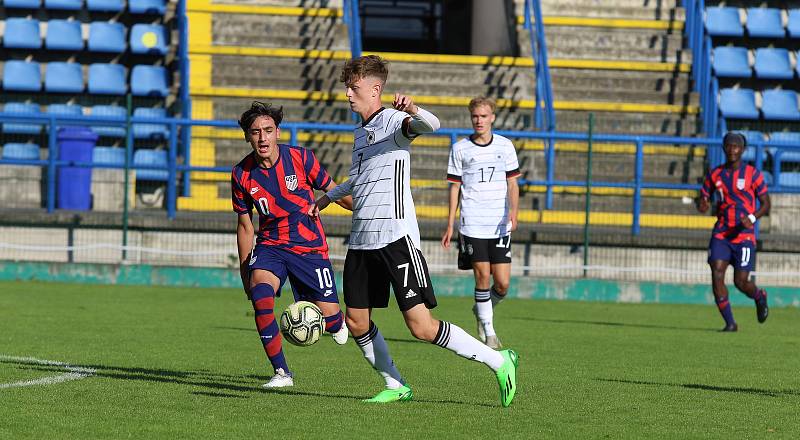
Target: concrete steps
307, 32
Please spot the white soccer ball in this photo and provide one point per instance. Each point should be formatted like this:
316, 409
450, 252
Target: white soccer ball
302, 323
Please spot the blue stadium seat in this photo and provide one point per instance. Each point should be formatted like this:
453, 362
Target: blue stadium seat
22, 33
731, 62
149, 81
109, 111
106, 36
150, 131
22, 108
738, 103
22, 4
723, 22
108, 155
65, 109
749, 154
148, 38
107, 79
22, 76
105, 5
790, 179
785, 137
150, 157
147, 7
64, 35
21, 151
793, 26
773, 63
765, 23
780, 105
63, 78
71, 5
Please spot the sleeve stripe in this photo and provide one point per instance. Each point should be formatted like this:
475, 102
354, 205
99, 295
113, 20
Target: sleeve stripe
513, 173
454, 178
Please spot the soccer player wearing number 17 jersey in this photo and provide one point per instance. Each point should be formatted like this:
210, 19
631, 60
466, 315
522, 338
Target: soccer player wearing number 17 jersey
384, 244
736, 185
279, 181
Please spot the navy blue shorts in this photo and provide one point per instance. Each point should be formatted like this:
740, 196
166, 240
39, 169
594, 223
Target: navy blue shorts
311, 275
741, 255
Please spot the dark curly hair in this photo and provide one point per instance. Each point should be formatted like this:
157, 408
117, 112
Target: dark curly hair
258, 108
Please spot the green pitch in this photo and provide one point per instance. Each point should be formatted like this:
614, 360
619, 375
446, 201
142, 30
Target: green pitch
187, 363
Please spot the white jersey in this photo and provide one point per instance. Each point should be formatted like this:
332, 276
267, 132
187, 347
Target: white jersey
379, 180
482, 171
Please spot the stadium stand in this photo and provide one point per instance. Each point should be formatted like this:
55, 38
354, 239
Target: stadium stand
64, 35
793, 23
150, 131
63, 78
773, 63
72, 5
764, 23
22, 4
106, 37
147, 6
108, 155
110, 111
21, 33
22, 76
723, 22
780, 105
21, 108
65, 109
149, 81
738, 103
145, 157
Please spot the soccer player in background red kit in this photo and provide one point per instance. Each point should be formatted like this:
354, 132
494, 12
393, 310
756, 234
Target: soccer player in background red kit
737, 185
279, 181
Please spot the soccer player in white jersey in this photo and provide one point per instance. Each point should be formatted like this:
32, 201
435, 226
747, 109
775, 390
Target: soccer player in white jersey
384, 245
484, 168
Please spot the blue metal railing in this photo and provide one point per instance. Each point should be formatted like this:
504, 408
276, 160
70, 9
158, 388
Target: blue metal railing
184, 68
705, 84
352, 19
175, 169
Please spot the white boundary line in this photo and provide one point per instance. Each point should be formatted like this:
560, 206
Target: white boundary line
74, 373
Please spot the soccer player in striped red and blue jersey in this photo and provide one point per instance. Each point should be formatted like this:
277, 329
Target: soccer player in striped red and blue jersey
279, 181
737, 186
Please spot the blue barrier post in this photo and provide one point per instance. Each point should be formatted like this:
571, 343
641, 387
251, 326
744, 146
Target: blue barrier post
52, 155
637, 188
172, 174
550, 160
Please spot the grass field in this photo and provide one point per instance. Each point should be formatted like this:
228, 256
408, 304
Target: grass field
187, 363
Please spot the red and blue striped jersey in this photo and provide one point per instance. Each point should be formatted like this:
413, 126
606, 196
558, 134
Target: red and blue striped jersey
737, 192
281, 195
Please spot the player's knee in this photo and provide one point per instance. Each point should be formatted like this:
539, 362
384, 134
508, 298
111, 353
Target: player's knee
357, 326
421, 331
501, 287
740, 283
717, 275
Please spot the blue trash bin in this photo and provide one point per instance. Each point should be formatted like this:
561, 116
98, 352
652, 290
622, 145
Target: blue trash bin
75, 183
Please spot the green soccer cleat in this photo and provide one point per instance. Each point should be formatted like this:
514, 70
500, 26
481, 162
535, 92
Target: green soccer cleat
402, 394
507, 377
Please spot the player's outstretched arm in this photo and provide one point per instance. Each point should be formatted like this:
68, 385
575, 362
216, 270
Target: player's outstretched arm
345, 202
244, 243
421, 121
338, 192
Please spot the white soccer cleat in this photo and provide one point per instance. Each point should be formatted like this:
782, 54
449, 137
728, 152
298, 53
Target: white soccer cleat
279, 380
481, 333
340, 337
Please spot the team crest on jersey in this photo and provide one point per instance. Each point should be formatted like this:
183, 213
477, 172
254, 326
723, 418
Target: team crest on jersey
370, 137
291, 182
740, 184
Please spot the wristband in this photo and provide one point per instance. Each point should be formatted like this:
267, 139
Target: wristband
752, 218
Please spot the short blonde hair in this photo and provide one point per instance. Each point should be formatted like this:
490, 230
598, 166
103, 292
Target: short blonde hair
482, 100
361, 67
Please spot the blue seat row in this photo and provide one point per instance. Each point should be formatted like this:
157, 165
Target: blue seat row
760, 22
23, 33
776, 104
769, 63
103, 79
134, 6
140, 131
101, 156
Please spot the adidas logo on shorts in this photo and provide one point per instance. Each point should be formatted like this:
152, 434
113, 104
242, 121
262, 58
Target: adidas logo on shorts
411, 294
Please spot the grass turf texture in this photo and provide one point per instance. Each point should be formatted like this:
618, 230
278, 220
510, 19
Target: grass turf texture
187, 363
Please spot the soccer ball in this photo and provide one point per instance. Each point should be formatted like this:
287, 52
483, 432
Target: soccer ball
302, 323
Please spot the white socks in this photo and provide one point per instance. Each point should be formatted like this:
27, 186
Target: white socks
484, 305
455, 339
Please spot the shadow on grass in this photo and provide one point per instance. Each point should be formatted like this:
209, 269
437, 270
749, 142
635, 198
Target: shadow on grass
218, 385
704, 387
614, 324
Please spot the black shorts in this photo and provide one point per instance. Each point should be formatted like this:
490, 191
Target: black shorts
477, 250
368, 273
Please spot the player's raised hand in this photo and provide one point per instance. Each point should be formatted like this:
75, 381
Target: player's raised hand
404, 104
